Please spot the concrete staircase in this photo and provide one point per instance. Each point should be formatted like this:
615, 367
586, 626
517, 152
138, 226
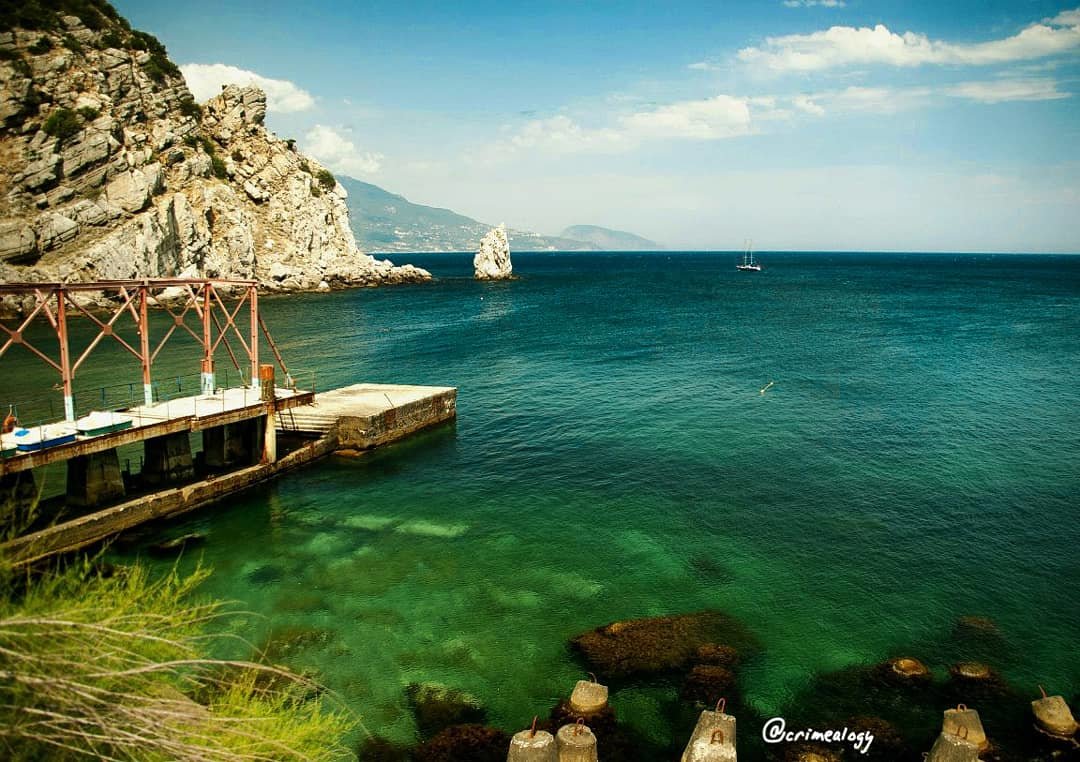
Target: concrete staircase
308, 419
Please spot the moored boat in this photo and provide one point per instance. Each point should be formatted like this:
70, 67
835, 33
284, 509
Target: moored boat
43, 437
99, 422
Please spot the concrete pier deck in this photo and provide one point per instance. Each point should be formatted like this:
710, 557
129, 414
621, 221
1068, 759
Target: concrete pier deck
357, 417
363, 416
225, 406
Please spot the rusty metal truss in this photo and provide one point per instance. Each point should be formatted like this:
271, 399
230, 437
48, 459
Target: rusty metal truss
203, 300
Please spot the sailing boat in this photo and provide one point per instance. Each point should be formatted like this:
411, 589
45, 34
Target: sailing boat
748, 260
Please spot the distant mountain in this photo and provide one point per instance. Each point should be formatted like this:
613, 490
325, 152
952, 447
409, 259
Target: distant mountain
386, 222
610, 240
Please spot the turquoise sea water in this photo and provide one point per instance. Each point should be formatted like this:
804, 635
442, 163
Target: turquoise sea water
916, 459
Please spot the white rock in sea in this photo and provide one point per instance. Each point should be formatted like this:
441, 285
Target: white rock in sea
492, 262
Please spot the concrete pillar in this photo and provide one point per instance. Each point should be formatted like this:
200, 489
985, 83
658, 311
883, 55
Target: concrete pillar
167, 459
588, 697
233, 444
576, 743
951, 748
713, 739
94, 479
1054, 716
18, 499
965, 722
269, 449
533, 746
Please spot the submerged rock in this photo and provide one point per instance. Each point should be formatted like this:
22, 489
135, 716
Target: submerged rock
378, 749
437, 707
476, 743
906, 669
708, 683
492, 261
657, 644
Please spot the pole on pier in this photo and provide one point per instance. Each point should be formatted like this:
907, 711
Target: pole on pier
533, 746
65, 354
267, 395
254, 348
576, 743
208, 382
144, 345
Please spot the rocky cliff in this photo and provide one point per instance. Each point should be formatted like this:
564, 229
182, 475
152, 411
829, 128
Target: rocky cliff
109, 169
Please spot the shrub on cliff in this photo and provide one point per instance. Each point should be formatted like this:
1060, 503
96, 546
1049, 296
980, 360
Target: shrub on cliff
62, 124
326, 179
110, 665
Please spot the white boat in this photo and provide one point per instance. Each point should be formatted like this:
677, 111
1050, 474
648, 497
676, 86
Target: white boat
42, 437
748, 264
102, 422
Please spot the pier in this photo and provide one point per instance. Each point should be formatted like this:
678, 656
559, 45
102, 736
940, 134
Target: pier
249, 433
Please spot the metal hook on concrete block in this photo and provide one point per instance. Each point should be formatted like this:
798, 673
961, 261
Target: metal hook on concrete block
721, 705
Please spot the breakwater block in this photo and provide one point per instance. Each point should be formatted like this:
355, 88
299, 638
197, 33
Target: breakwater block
965, 722
953, 748
713, 739
588, 697
533, 746
1054, 716
576, 743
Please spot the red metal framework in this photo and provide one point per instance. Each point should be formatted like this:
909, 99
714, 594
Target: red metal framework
203, 298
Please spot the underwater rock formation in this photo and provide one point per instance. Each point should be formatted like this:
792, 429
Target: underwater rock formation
436, 707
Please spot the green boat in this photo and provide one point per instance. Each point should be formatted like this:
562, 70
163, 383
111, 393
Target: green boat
100, 422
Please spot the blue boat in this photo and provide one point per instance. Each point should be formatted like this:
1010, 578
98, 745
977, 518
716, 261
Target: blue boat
43, 437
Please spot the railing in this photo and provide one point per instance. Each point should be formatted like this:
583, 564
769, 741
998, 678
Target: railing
42, 410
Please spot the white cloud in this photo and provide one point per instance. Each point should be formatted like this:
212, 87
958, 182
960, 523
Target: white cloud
562, 135
812, 3
282, 96
807, 105
711, 119
1000, 90
339, 153
844, 45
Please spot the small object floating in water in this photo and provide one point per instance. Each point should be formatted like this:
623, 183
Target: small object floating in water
766, 387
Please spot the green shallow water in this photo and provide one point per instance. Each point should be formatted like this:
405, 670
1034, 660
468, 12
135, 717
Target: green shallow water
917, 459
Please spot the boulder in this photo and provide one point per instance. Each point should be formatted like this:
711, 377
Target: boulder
17, 242
657, 644
129, 191
436, 707
492, 261
55, 230
475, 743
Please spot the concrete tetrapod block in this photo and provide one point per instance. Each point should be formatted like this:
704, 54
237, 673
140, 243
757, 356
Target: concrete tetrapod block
588, 697
576, 743
1054, 716
533, 746
713, 739
951, 748
965, 722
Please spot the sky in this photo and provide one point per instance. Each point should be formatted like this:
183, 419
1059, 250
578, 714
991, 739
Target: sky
866, 125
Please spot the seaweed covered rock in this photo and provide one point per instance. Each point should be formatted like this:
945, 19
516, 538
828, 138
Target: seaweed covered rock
707, 684
656, 645
905, 669
437, 707
721, 656
378, 749
476, 743
889, 744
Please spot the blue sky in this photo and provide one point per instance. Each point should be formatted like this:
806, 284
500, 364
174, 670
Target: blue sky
805, 124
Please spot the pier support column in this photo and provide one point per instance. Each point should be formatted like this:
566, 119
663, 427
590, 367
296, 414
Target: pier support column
233, 444
168, 459
94, 479
18, 499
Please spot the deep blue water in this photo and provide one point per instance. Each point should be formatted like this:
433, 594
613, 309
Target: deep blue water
916, 459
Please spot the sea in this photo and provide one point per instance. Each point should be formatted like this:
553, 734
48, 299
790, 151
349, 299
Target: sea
847, 453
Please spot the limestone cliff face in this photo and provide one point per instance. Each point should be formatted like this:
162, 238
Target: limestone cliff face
108, 169
492, 261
